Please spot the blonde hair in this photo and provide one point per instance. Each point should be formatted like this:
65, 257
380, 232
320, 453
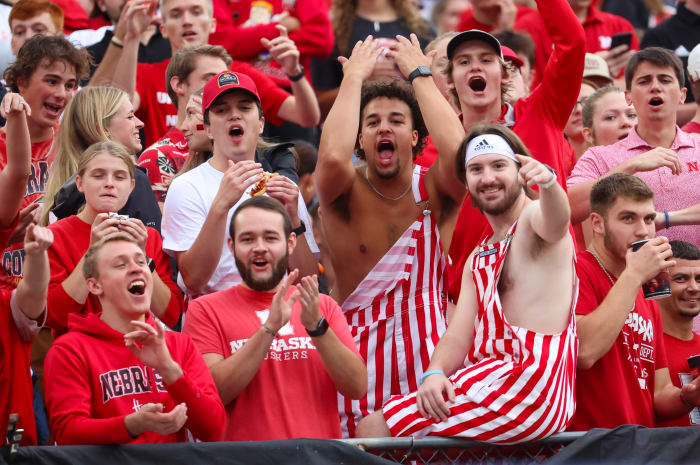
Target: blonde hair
84, 123
343, 16
208, 5
90, 268
108, 147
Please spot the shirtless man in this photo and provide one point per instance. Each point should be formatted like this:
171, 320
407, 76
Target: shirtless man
518, 335
388, 222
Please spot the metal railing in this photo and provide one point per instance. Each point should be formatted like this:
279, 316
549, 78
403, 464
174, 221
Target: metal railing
439, 450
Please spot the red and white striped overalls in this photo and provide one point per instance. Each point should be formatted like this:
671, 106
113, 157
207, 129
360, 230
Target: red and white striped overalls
397, 314
520, 384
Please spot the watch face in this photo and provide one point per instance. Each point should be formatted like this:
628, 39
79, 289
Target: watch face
425, 70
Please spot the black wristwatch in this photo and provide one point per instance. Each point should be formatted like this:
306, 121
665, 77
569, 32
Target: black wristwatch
321, 328
297, 77
420, 71
151, 264
301, 229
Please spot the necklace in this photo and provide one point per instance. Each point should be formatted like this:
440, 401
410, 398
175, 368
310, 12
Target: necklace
606, 273
393, 199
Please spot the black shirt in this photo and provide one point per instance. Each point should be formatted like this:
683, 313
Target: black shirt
680, 33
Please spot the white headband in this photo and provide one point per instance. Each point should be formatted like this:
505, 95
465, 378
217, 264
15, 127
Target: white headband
489, 144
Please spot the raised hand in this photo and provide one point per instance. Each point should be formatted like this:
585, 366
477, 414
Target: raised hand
28, 215
362, 59
237, 179
284, 190
430, 398
652, 258
102, 226
284, 51
309, 300
656, 158
533, 172
14, 104
136, 229
137, 16
150, 417
37, 239
148, 345
616, 58
281, 307
408, 54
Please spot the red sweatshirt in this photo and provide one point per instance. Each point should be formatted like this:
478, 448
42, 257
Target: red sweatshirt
313, 39
467, 21
599, 27
93, 382
539, 121
71, 241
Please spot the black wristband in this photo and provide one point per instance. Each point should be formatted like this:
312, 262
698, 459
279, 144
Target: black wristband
301, 229
297, 77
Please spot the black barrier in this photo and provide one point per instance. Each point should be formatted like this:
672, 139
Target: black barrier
627, 444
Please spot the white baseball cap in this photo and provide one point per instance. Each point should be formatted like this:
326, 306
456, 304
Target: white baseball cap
694, 64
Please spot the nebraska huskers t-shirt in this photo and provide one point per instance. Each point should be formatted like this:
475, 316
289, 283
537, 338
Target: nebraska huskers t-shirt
291, 395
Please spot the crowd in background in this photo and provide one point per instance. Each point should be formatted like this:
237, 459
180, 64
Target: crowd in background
134, 133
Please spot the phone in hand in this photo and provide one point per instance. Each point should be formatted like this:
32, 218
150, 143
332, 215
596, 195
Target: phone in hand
623, 38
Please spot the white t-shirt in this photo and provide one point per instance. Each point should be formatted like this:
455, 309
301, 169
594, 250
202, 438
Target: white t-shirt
186, 208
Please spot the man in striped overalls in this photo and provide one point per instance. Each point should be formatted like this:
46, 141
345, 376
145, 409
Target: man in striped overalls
387, 222
514, 322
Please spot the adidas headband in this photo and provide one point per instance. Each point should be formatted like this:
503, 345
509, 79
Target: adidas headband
489, 144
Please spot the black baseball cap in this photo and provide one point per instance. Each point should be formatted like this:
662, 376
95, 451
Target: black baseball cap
473, 34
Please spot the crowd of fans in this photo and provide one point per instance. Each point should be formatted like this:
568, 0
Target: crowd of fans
275, 219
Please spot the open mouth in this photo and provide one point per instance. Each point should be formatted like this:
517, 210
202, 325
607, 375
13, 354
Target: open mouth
53, 109
259, 262
656, 101
189, 34
235, 131
137, 287
385, 151
477, 84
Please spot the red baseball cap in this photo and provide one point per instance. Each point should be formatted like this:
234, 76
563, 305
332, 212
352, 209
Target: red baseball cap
225, 81
510, 55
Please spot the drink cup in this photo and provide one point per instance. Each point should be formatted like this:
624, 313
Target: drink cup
694, 365
660, 286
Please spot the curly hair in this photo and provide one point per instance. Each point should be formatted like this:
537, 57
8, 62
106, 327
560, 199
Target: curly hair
395, 90
45, 51
343, 17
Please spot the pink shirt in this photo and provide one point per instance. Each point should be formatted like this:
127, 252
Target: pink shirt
670, 192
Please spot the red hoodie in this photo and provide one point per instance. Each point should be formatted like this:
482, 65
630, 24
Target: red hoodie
93, 382
71, 241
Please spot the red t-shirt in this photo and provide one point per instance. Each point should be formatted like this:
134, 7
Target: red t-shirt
599, 27
93, 381
42, 158
467, 21
158, 113
242, 23
71, 241
539, 120
691, 127
16, 391
619, 388
163, 160
677, 352
291, 395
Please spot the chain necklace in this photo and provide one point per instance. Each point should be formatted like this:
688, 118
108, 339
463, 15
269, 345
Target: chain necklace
606, 273
393, 199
